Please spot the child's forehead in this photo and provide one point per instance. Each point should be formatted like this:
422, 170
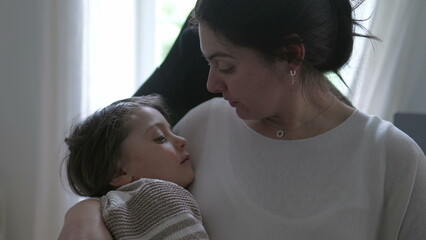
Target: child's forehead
146, 117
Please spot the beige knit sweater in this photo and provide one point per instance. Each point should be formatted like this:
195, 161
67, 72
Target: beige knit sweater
152, 209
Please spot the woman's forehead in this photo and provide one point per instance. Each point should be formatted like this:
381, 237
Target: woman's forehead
211, 41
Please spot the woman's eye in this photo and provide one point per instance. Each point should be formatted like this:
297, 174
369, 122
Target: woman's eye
161, 139
227, 70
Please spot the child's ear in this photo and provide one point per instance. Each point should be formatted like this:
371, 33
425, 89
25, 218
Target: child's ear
121, 179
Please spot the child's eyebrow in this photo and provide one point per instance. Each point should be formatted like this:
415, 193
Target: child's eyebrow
160, 125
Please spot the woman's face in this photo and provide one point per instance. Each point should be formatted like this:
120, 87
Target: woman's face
151, 150
253, 88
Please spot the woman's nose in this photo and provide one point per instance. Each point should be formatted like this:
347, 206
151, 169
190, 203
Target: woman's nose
214, 83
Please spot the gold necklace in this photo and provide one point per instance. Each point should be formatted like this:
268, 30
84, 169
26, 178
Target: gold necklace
280, 132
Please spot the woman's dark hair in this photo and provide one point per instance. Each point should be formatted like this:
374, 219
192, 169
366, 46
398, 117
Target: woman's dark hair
94, 145
325, 27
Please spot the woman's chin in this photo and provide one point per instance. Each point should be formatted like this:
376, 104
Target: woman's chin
244, 114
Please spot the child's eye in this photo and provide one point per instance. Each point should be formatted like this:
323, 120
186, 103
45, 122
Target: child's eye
161, 139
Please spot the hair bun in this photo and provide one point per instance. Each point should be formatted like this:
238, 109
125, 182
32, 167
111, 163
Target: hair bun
342, 46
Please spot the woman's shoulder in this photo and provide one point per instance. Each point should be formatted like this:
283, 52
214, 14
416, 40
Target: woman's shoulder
203, 112
396, 143
214, 104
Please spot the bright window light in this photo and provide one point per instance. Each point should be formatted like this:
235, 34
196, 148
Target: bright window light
109, 52
349, 72
122, 48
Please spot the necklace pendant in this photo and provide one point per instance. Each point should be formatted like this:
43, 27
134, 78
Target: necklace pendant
280, 133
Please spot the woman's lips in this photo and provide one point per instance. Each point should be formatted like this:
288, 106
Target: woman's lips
233, 104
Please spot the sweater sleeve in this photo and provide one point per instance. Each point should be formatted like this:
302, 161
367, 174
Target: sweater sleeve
152, 209
414, 223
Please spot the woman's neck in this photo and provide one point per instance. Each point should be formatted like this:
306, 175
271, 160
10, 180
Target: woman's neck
308, 117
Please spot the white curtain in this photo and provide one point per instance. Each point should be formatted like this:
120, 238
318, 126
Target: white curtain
392, 75
61, 82
40, 72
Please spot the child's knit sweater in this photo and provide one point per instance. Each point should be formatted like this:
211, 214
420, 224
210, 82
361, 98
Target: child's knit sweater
152, 209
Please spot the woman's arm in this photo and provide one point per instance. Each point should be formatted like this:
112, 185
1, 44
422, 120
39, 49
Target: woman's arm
84, 221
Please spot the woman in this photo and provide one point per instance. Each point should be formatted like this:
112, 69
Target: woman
279, 156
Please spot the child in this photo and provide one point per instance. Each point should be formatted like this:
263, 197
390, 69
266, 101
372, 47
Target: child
127, 155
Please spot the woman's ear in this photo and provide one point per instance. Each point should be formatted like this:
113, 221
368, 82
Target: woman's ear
295, 51
121, 179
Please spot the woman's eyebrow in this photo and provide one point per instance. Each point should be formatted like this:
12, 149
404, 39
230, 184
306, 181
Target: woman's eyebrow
219, 54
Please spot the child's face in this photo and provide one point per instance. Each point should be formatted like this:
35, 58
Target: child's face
151, 150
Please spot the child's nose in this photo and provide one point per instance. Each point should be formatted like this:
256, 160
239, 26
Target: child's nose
180, 142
